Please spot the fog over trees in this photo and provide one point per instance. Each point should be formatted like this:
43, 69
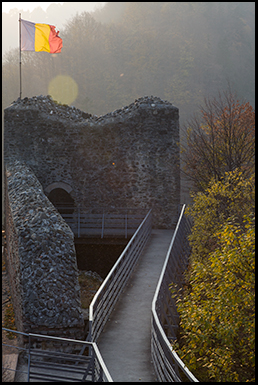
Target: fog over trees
181, 52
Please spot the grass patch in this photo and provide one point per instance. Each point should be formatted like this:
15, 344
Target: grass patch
89, 287
9, 320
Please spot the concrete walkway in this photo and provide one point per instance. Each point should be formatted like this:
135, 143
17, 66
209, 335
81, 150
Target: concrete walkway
125, 341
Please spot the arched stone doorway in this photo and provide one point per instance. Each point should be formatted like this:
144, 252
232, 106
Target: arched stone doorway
59, 194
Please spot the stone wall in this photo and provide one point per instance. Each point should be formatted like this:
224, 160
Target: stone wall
41, 259
12, 260
127, 158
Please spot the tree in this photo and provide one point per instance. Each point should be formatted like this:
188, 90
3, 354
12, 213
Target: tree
216, 306
218, 312
232, 197
221, 140
153, 45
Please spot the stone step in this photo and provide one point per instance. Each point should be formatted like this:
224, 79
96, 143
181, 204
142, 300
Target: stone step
9, 366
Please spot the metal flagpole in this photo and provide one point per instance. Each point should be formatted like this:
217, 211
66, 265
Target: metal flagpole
20, 55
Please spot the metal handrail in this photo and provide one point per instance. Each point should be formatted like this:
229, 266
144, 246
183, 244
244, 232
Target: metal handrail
102, 221
166, 362
98, 368
108, 294
106, 297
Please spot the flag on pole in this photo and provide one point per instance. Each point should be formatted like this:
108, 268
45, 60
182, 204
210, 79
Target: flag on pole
40, 37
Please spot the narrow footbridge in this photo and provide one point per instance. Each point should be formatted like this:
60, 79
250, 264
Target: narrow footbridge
133, 319
125, 342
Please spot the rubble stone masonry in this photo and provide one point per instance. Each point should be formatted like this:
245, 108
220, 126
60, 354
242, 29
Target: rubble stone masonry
41, 259
126, 158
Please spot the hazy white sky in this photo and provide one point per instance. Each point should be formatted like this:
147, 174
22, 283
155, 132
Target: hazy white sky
27, 6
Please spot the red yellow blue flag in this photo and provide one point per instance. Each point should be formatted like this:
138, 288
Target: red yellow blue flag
40, 37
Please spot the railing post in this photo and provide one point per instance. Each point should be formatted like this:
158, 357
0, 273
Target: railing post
28, 378
89, 337
93, 366
79, 220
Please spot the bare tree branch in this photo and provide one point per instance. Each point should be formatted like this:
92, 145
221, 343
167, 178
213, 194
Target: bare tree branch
220, 140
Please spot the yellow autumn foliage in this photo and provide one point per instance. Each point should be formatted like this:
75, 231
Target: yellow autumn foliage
217, 307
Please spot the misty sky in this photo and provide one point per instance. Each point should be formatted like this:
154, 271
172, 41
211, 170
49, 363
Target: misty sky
8, 5
26, 6
173, 50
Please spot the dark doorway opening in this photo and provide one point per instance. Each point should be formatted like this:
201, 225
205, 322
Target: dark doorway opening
98, 257
62, 200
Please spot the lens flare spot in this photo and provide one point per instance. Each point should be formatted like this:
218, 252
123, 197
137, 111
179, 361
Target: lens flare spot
63, 89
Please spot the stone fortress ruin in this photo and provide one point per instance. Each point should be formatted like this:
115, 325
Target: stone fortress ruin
128, 158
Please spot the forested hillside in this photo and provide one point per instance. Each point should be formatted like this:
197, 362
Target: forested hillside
178, 51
